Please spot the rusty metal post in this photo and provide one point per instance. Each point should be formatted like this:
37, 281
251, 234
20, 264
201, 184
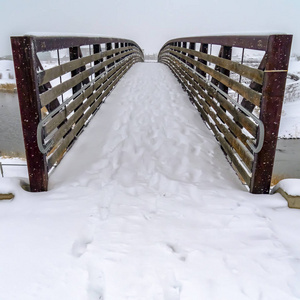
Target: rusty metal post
75, 54
192, 47
278, 53
204, 49
109, 47
28, 92
97, 49
117, 53
226, 53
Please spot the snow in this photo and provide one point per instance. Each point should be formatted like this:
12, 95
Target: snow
7, 73
290, 120
290, 185
290, 116
145, 206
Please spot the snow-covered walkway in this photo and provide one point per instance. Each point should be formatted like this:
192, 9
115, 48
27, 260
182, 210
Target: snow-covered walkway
145, 206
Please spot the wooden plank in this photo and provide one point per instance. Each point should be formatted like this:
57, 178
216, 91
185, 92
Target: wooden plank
236, 163
251, 73
255, 86
49, 95
56, 121
76, 103
221, 113
43, 88
238, 116
246, 92
241, 150
8, 196
74, 118
236, 130
24, 54
52, 73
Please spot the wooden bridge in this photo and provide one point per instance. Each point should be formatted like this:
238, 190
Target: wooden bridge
240, 103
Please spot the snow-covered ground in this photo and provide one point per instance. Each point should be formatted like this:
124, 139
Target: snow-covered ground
7, 73
145, 206
290, 117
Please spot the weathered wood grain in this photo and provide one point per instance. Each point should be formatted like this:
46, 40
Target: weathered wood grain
253, 74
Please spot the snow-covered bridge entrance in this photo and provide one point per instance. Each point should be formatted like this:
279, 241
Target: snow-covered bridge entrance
148, 137
58, 101
145, 206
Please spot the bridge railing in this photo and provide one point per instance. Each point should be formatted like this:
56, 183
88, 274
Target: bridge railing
239, 97
61, 83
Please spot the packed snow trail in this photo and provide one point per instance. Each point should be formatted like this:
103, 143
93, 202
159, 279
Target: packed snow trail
145, 206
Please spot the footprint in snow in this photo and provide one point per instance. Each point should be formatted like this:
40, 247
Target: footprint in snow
171, 287
80, 246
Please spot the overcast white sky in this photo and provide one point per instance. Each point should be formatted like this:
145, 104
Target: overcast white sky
150, 23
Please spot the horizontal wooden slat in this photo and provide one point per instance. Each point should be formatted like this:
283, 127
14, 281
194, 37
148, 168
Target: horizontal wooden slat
243, 70
238, 116
56, 91
244, 91
241, 150
75, 104
52, 73
59, 118
62, 147
236, 163
74, 131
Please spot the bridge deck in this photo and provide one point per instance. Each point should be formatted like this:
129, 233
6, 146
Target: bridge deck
169, 219
148, 136
145, 206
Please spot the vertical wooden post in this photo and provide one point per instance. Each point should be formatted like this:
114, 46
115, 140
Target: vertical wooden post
24, 55
277, 60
